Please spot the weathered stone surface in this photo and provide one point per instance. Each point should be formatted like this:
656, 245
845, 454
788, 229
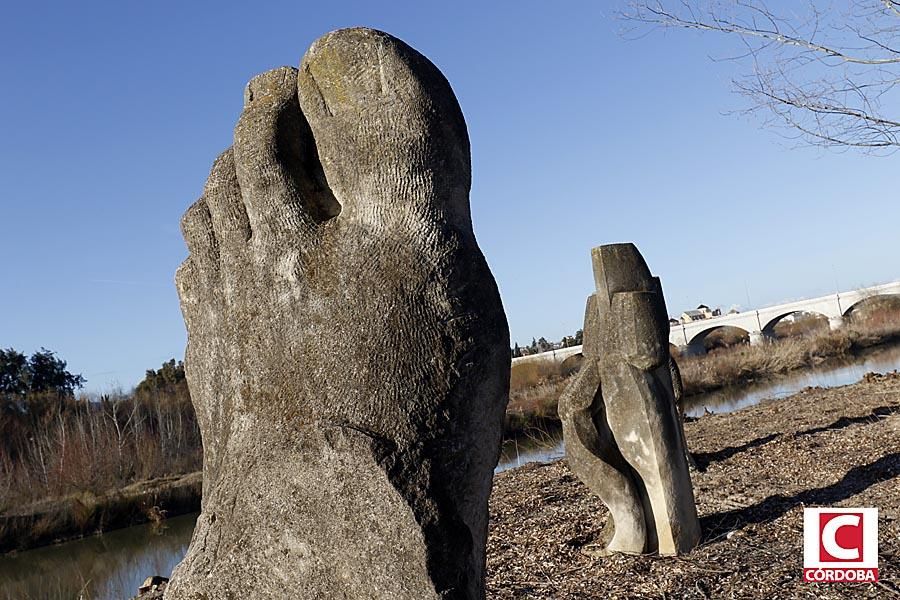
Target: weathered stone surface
622, 431
678, 394
348, 354
153, 588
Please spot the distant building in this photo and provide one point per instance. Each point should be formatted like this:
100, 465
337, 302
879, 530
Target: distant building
689, 316
709, 313
700, 313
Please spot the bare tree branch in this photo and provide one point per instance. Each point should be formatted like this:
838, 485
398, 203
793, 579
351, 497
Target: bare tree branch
822, 75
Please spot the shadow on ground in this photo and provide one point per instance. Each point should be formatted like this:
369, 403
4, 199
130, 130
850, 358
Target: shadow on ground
856, 480
704, 459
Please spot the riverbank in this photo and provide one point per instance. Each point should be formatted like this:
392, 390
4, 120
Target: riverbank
534, 394
838, 446
69, 517
70, 463
759, 467
743, 363
77, 515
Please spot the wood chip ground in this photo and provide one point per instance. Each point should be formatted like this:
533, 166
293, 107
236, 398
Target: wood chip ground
759, 468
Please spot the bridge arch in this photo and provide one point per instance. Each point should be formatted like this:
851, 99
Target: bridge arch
848, 312
571, 364
697, 344
769, 328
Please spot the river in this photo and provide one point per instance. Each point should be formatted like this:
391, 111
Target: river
113, 565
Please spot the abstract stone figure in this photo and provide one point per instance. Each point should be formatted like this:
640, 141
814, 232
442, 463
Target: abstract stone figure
348, 354
622, 433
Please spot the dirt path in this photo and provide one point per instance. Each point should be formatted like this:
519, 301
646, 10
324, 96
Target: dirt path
760, 466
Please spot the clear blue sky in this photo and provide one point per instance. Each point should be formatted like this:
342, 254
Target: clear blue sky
112, 113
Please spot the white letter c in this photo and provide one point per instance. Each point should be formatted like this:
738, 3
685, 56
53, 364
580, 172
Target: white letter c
829, 533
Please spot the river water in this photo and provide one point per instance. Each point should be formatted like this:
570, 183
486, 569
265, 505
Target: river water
113, 565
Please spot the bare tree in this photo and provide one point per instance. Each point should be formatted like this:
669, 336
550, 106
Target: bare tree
824, 74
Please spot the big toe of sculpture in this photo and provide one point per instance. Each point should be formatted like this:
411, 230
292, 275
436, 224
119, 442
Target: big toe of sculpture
348, 354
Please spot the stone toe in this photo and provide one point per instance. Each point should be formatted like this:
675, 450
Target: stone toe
390, 135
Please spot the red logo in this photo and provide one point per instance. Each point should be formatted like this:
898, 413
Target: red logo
840, 544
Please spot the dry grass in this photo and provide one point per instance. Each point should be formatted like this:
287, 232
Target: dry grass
534, 391
53, 447
527, 374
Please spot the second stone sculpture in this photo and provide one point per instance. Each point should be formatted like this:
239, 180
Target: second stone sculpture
622, 432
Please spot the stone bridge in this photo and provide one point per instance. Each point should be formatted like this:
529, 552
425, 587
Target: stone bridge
759, 324
554, 355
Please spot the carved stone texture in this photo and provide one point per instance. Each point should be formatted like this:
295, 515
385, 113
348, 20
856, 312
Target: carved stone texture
348, 354
622, 432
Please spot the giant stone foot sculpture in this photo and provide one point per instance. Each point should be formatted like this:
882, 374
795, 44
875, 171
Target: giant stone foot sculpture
622, 432
348, 354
